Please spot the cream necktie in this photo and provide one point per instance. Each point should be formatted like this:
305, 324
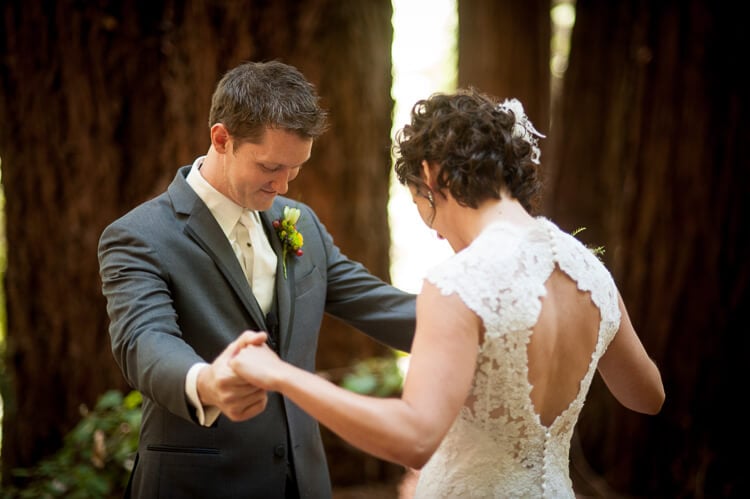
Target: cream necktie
257, 258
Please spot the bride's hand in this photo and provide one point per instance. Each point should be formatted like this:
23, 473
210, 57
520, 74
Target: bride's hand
256, 363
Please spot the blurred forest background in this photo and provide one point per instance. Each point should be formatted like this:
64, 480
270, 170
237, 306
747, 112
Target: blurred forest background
101, 101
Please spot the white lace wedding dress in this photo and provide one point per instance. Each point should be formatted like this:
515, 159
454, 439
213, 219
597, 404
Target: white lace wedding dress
498, 447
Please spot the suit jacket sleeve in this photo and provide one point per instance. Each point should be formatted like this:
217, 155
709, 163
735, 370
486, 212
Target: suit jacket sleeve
171, 301
364, 301
145, 337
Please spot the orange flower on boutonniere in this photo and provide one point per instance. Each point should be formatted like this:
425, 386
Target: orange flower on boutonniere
286, 229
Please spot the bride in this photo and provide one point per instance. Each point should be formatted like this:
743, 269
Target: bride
510, 329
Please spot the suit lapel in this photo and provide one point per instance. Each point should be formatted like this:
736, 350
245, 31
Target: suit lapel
284, 287
202, 227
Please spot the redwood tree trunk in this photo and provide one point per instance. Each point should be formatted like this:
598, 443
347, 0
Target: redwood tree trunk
100, 102
652, 149
504, 50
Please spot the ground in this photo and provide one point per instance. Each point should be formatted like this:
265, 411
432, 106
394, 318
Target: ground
402, 490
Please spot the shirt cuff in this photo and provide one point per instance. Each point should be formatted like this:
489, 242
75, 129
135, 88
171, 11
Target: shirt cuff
206, 415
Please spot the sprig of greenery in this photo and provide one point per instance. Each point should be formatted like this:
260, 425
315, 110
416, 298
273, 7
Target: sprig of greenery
596, 250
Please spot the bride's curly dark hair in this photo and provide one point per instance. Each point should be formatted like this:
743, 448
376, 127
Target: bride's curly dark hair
471, 139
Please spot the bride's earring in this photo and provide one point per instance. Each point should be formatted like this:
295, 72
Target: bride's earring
431, 200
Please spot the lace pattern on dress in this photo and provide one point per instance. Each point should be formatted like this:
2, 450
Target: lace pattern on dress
498, 446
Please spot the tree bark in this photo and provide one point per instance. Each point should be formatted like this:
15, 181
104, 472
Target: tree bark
649, 143
504, 50
101, 102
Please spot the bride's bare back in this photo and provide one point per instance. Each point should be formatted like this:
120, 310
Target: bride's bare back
561, 345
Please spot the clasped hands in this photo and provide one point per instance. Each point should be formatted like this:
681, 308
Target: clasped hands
238, 380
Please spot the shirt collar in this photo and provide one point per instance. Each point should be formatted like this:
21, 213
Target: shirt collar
225, 211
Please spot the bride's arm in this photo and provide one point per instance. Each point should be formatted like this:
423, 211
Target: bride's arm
406, 430
629, 373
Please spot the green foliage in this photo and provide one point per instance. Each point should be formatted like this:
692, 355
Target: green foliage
596, 250
96, 457
377, 376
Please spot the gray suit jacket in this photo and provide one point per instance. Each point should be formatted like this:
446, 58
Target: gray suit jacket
176, 295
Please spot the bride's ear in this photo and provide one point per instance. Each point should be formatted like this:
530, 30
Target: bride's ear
427, 175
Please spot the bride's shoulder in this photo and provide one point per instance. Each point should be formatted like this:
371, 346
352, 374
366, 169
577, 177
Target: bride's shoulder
558, 237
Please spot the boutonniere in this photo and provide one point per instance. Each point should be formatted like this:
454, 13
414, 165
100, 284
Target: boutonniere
291, 240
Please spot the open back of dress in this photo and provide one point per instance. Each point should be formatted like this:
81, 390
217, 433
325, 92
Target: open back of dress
520, 282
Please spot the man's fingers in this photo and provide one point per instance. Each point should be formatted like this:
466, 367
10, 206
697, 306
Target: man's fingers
248, 338
251, 408
251, 338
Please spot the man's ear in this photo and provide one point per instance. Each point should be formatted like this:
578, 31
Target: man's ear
220, 138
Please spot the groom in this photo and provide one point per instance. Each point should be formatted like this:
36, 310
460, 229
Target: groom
185, 273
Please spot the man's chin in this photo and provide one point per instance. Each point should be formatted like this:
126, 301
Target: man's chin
265, 201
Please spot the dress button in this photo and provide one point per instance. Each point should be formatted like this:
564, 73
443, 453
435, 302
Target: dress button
279, 451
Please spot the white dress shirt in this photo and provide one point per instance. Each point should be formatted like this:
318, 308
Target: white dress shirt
227, 213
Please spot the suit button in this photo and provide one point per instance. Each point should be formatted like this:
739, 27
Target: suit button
279, 451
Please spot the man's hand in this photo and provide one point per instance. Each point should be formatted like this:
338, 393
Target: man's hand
257, 364
218, 385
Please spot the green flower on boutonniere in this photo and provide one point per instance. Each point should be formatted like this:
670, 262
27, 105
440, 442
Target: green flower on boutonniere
291, 240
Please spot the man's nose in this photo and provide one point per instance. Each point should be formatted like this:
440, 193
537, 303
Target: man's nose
281, 180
